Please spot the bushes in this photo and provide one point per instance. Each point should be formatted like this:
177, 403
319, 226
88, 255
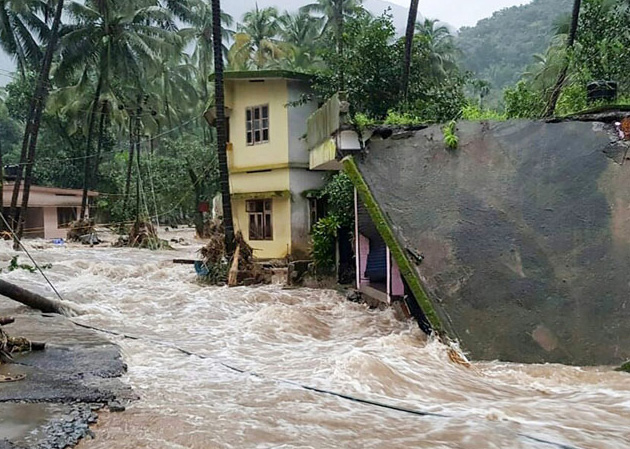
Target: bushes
324, 236
339, 194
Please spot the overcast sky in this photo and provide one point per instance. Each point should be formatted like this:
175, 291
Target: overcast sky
461, 12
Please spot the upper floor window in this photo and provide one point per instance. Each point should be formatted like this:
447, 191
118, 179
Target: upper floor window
257, 119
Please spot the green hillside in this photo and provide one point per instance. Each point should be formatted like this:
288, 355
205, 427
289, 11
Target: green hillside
500, 48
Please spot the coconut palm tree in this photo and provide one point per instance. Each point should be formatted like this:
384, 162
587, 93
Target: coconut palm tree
257, 40
335, 13
200, 34
219, 97
411, 20
109, 39
562, 77
440, 44
31, 133
20, 22
300, 33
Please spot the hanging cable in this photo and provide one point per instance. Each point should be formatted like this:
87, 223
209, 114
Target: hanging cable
15, 237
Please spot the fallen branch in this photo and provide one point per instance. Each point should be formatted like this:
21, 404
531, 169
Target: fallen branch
4, 320
233, 273
31, 299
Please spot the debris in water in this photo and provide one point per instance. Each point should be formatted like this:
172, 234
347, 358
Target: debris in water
13, 345
458, 357
79, 229
625, 367
142, 234
215, 268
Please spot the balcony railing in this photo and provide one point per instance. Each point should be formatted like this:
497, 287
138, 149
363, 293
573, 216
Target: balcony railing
327, 120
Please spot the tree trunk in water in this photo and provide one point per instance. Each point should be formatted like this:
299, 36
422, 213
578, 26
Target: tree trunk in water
224, 174
38, 103
30, 299
411, 25
88, 148
557, 90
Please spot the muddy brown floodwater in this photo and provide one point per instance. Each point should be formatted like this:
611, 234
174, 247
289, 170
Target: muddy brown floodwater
312, 337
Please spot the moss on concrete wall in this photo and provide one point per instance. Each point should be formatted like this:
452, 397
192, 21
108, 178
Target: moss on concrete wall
406, 268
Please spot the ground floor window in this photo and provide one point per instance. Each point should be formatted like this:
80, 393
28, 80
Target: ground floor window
65, 216
316, 211
259, 212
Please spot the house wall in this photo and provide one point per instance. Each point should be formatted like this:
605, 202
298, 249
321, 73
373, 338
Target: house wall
280, 246
277, 166
42, 199
364, 250
297, 116
301, 180
267, 181
244, 94
41, 219
396, 283
34, 224
51, 224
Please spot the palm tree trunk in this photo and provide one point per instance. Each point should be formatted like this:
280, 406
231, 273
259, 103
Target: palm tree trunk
37, 107
104, 123
138, 124
130, 162
340, 46
555, 94
411, 25
197, 187
88, 147
224, 174
13, 211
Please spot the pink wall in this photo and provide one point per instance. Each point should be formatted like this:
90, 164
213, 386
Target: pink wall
364, 250
51, 229
397, 286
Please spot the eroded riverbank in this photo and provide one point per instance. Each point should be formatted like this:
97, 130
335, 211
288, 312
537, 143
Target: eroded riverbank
313, 337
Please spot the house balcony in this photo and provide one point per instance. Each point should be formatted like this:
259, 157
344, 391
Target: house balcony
330, 135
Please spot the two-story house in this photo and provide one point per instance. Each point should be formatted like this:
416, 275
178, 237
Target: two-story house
268, 160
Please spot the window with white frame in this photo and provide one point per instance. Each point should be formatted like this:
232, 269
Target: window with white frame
257, 118
259, 212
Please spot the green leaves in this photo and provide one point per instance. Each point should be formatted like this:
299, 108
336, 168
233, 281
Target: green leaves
450, 138
339, 196
601, 52
324, 237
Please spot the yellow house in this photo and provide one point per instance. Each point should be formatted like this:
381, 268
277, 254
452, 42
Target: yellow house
268, 160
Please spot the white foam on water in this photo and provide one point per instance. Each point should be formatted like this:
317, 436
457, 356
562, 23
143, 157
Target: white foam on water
313, 337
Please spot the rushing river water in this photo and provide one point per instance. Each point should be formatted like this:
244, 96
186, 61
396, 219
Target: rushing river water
316, 338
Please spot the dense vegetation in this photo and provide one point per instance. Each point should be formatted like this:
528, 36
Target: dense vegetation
499, 49
119, 106
601, 52
118, 89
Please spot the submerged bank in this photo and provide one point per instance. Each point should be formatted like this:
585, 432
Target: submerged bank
76, 375
317, 338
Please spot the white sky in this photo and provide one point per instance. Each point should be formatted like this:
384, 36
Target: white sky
461, 12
